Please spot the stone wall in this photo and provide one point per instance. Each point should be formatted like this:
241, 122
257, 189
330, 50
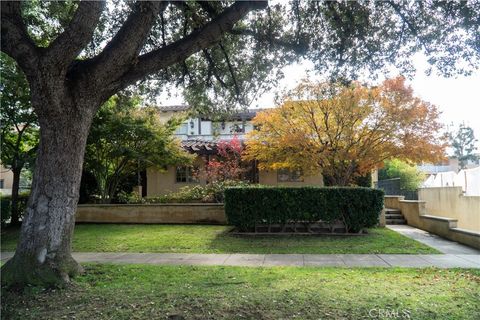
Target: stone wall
194, 213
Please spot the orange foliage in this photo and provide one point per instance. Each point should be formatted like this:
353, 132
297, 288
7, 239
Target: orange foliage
346, 131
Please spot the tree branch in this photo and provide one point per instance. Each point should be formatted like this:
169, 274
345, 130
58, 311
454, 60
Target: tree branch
68, 45
410, 26
299, 48
123, 50
15, 39
213, 68
178, 51
208, 8
230, 69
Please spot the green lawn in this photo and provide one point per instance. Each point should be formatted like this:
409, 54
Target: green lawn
214, 239
172, 292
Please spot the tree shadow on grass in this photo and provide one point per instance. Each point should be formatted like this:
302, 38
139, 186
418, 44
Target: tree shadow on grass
226, 242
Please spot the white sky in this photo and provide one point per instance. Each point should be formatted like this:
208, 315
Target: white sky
458, 98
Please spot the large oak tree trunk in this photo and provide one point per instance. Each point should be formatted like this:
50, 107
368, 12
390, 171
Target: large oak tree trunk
43, 253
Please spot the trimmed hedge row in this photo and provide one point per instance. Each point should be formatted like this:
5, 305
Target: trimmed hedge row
249, 207
6, 206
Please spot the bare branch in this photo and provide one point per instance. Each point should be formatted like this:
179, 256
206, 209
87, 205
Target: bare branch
68, 45
15, 40
198, 40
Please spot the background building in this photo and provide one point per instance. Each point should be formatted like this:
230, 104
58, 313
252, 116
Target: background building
6, 180
200, 135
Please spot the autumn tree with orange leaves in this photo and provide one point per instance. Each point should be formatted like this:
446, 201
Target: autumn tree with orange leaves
346, 131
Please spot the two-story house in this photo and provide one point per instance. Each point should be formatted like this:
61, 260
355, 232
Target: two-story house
200, 135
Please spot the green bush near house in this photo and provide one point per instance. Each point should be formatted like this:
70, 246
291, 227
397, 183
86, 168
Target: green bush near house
210, 193
6, 206
249, 207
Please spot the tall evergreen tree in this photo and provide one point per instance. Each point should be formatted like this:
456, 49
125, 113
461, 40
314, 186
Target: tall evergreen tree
463, 143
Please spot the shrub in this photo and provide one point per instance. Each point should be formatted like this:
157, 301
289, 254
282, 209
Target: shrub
210, 193
6, 206
185, 194
249, 207
410, 177
129, 197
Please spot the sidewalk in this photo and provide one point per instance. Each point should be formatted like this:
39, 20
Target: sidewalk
269, 260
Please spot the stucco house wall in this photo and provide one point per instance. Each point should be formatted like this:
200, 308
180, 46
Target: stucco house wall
160, 182
163, 182
270, 177
7, 176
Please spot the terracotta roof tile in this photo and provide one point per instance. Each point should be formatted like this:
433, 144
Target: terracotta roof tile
200, 146
174, 108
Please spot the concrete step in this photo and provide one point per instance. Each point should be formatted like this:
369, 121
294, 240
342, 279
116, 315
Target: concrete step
389, 210
394, 216
396, 221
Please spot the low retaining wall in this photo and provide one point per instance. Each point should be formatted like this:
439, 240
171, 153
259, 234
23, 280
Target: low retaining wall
205, 213
392, 202
449, 202
416, 215
187, 213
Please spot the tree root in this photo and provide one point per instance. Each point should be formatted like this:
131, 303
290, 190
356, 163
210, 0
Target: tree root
25, 270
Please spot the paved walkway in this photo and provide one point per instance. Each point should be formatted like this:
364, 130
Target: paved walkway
434, 241
267, 260
455, 256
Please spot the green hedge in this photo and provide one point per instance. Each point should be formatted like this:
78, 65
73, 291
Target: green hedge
357, 207
6, 206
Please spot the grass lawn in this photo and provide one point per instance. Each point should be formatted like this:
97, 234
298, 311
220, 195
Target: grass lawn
214, 239
172, 292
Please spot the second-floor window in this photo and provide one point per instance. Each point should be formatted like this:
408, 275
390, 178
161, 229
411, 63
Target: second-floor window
237, 128
185, 174
286, 175
182, 129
